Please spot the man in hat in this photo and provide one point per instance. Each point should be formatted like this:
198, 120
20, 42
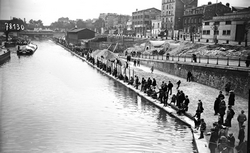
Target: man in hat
241, 135
241, 118
230, 115
231, 142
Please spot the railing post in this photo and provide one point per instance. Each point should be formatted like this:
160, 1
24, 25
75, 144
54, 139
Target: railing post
185, 58
239, 63
199, 59
217, 62
208, 60
227, 61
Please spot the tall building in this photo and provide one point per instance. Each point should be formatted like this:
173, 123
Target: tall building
172, 14
193, 17
142, 20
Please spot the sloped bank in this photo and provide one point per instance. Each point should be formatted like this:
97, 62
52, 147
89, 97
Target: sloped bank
215, 76
200, 144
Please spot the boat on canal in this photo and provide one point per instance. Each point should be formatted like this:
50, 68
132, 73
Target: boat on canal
28, 49
4, 54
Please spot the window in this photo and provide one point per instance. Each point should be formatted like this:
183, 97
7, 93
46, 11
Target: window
185, 21
206, 32
216, 32
217, 23
199, 20
206, 23
228, 22
191, 20
194, 20
226, 32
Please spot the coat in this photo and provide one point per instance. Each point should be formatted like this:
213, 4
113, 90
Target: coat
231, 98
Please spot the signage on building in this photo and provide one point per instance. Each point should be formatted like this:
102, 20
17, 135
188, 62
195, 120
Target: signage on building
13, 25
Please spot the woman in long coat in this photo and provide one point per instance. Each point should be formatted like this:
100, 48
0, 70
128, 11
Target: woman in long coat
231, 98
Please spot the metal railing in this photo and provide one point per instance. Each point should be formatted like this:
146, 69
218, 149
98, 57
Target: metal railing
227, 61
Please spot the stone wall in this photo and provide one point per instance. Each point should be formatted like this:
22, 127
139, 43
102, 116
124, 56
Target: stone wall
208, 75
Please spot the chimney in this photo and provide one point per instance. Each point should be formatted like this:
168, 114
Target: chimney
209, 3
227, 4
136, 10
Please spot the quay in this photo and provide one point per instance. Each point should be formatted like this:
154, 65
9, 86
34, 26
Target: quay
4, 56
200, 144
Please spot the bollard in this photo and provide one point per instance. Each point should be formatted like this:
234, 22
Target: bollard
208, 60
239, 42
199, 59
178, 58
239, 63
227, 42
227, 61
207, 40
217, 61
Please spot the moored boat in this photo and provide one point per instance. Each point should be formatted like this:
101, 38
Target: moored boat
28, 49
4, 54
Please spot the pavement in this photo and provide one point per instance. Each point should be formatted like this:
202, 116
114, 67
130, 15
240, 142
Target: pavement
195, 92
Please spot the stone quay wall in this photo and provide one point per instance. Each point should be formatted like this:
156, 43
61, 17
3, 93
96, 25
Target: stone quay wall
213, 76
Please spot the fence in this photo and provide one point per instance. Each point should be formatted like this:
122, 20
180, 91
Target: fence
228, 61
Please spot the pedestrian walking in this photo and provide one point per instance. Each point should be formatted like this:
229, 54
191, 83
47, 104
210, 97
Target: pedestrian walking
241, 119
231, 98
200, 108
216, 106
178, 84
228, 87
241, 135
231, 143
189, 76
202, 128
230, 115
152, 69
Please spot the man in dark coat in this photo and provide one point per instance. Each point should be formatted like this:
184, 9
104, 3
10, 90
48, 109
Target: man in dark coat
230, 115
216, 106
222, 109
213, 141
202, 128
170, 86
221, 95
186, 102
241, 135
189, 76
228, 87
231, 142
231, 98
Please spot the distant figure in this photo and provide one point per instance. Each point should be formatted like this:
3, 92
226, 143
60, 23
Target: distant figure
241, 135
194, 58
189, 76
228, 87
216, 106
170, 86
231, 98
178, 84
135, 62
202, 128
138, 62
152, 69
248, 60
241, 118
230, 115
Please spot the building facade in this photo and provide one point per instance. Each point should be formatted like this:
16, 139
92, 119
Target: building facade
156, 27
172, 14
231, 26
142, 21
193, 17
75, 36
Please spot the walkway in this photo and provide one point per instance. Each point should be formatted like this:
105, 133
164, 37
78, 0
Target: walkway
196, 91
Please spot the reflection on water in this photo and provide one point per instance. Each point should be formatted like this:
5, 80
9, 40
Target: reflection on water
53, 102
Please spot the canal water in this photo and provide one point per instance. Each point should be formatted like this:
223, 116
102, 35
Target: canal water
53, 102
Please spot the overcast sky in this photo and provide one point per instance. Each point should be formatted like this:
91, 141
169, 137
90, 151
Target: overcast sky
50, 10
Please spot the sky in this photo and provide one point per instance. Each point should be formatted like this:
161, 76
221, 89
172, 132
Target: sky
50, 10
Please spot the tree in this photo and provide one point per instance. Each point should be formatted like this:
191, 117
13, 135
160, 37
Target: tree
80, 23
98, 24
